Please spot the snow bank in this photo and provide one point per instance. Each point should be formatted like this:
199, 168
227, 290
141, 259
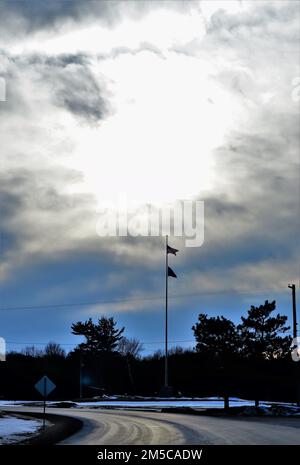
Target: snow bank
162, 402
10, 403
13, 429
273, 408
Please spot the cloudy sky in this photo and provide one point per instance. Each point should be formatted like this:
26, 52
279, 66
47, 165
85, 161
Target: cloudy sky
160, 100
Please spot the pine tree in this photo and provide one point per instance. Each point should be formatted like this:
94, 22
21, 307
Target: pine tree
263, 335
215, 336
102, 336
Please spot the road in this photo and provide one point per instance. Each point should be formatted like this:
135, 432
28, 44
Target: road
107, 427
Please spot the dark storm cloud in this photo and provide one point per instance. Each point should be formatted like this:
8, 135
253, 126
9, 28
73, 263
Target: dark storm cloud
38, 218
70, 81
10, 206
255, 218
23, 191
19, 18
39, 15
76, 89
34, 186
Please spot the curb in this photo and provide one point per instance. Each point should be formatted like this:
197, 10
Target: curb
62, 427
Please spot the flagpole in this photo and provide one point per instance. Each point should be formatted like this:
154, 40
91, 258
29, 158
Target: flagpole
166, 322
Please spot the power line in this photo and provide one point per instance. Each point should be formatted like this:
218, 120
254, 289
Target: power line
135, 299
180, 341
79, 304
70, 344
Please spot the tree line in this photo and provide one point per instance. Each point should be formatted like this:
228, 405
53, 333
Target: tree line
250, 359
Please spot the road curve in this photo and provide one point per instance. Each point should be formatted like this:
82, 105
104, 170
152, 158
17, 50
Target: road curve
123, 427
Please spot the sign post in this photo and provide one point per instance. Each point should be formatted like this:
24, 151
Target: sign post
44, 386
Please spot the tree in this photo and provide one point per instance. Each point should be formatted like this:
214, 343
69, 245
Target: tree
102, 336
54, 350
176, 350
263, 335
32, 351
215, 336
130, 347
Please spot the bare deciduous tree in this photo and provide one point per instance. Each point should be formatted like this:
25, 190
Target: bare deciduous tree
32, 351
130, 347
53, 349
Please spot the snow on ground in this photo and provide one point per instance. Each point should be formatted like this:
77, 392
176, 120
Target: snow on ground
11, 403
207, 403
159, 402
271, 408
13, 429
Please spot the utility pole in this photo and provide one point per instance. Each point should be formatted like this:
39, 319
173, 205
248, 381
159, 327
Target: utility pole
297, 368
293, 287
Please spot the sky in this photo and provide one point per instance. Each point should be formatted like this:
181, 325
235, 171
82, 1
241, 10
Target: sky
159, 101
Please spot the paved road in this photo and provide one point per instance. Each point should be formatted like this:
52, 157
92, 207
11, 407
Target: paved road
147, 428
